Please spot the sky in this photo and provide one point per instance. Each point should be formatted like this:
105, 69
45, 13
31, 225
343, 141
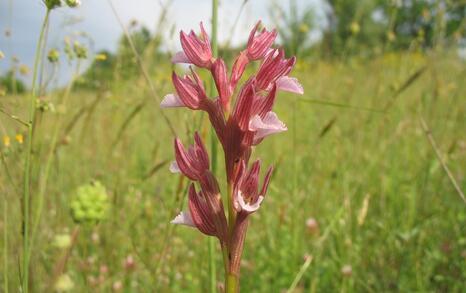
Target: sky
94, 17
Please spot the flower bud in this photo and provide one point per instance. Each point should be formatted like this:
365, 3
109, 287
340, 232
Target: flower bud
64, 283
53, 56
347, 270
129, 263
312, 225
258, 45
73, 3
197, 49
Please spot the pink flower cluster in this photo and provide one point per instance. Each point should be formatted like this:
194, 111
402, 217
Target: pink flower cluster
238, 129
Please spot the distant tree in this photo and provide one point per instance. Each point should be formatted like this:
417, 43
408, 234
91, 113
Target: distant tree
126, 62
351, 26
119, 66
11, 83
427, 21
100, 73
294, 26
357, 25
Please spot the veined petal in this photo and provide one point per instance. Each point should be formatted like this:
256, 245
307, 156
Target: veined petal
184, 218
180, 57
174, 167
270, 124
249, 207
290, 84
171, 101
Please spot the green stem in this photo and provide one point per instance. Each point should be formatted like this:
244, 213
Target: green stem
48, 162
5, 246
27, 164
213, 148
231, 284
231, 211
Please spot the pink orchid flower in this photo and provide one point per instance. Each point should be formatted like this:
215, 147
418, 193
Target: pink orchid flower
240, 122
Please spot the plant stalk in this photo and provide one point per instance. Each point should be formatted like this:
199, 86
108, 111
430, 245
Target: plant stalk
27, 164
5, 246
231, 283
213, 148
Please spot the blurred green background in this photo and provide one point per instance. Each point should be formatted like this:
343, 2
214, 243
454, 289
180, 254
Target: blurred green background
360, 183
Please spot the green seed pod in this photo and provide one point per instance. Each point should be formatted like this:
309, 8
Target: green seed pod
52, 4
53, 55
90, 204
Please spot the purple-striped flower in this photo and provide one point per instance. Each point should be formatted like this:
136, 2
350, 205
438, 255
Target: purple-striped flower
240, 122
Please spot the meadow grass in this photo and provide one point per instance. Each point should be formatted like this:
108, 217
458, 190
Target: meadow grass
388, 217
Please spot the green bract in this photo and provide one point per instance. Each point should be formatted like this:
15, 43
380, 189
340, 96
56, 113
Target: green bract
90, 204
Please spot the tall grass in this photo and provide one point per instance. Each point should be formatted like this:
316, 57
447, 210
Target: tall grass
28, 159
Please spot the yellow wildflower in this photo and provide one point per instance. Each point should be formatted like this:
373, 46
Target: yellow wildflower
355, 28
391, 36
303, 27
100, 57
64, 283
19, 138
6, 140
2, 55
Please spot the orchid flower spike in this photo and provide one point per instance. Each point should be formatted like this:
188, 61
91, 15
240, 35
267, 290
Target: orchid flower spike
249, 122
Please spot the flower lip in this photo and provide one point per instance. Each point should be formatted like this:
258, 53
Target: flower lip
265, 126
290, 84
184, 218
171, 101
174, 168
249, 207
180, 57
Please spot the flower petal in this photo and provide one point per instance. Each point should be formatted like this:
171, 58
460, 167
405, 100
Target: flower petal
270, 124
184, 218
171, 101
174, 167
249, 207
290, 84
180, 57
